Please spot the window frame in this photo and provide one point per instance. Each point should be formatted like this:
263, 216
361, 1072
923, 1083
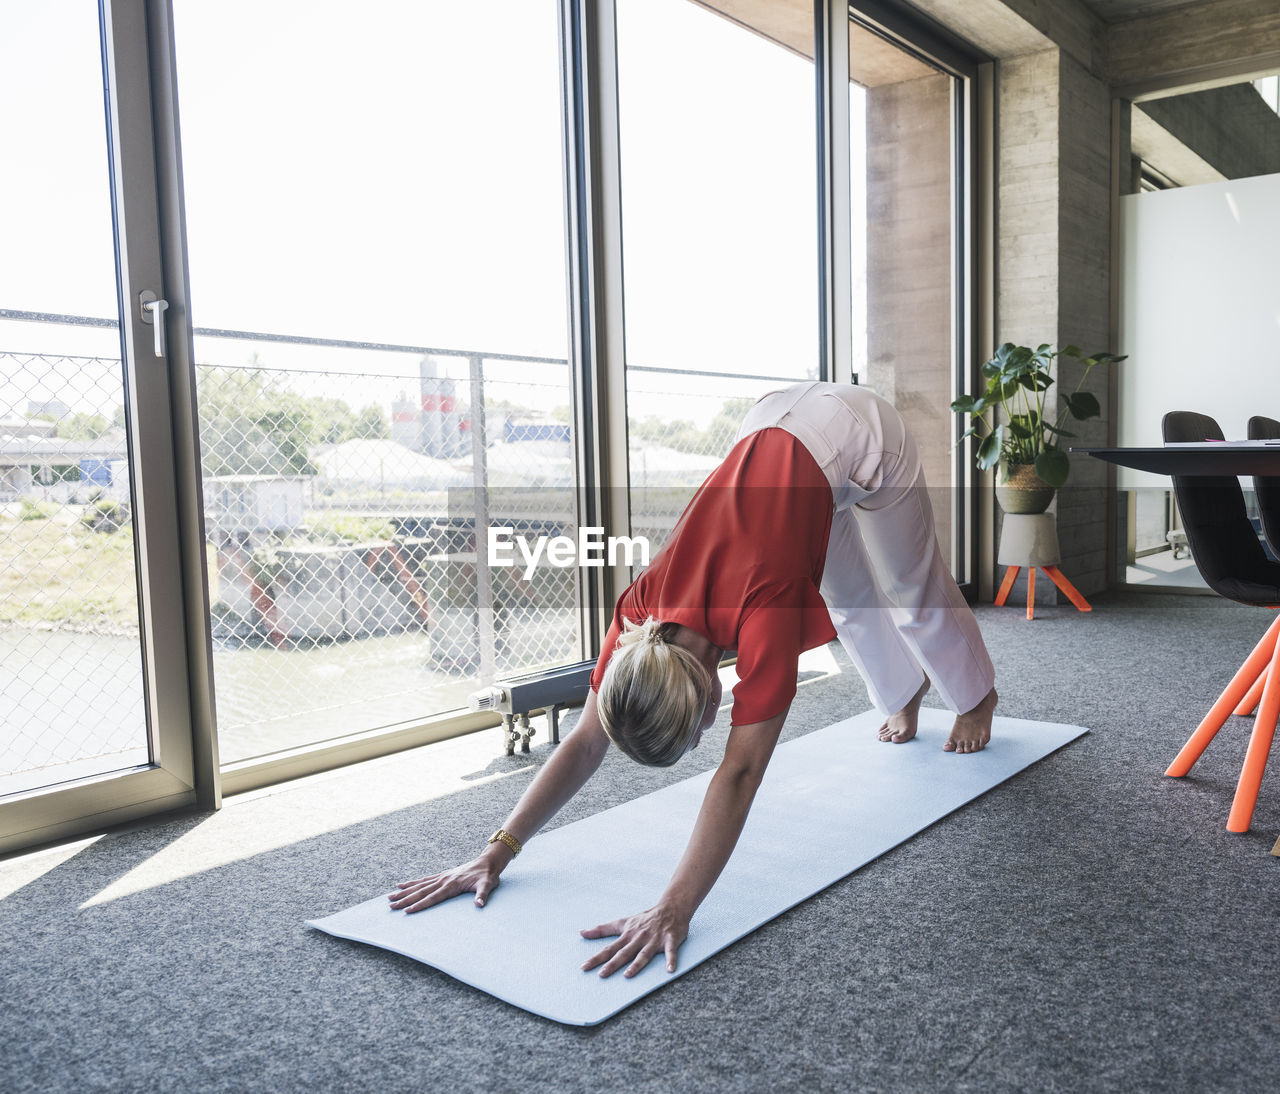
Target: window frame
177, 776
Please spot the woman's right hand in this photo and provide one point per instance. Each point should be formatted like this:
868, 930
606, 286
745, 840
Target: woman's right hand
480, 876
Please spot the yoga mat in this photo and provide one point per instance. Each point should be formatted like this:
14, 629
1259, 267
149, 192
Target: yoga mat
830, 802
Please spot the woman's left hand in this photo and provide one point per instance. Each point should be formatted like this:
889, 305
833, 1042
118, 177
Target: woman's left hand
639, 938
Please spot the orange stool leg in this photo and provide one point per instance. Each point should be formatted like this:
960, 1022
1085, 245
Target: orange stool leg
1031, 592
1073, 594
1010, 575
1255, 760
1250, 702
1255, 664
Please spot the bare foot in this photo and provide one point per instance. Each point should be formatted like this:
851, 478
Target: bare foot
901, 727
972, 730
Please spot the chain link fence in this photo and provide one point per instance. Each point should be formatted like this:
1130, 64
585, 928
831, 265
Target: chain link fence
349, 520
677, 435
71, 690
347, 517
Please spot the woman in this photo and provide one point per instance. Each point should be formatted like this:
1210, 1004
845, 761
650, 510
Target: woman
816, 525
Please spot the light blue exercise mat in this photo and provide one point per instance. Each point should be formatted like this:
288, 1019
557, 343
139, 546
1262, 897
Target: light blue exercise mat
831, 802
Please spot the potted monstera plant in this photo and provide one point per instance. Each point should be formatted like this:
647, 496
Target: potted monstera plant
1024, 437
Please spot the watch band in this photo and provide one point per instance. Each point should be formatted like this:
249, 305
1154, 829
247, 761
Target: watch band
503, 836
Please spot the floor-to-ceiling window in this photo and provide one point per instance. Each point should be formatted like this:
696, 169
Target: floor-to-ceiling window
376, 238
720, 246
909, 250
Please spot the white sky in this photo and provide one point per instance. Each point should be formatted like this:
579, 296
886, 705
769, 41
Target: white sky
391, 172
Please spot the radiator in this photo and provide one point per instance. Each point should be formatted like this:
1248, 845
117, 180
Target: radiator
517, 698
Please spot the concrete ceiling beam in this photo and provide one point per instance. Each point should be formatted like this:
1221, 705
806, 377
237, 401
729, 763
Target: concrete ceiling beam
1192, 48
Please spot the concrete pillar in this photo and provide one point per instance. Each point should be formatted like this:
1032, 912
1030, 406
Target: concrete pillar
1053, 259
1084, 310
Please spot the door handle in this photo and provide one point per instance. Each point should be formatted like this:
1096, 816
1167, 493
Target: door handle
153, 309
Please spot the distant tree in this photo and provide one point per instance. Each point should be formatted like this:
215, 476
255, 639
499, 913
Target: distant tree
372, 424
332, 420
681, 435
83, 427
251, 424
685, 436
723, 428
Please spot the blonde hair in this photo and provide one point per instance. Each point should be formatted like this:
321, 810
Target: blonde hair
653, 694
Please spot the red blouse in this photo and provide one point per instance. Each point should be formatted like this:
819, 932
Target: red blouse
743, 567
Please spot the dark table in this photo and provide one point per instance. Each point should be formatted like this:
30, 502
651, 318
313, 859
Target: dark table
1205, 458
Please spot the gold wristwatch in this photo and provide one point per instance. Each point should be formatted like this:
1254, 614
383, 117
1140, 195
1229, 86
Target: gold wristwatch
503, 836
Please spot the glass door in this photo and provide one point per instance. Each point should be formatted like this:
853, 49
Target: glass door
94, 704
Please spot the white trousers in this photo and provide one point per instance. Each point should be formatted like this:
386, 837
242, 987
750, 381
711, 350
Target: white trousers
894, 604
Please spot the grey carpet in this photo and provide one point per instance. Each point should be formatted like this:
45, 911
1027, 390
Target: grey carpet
1089, 925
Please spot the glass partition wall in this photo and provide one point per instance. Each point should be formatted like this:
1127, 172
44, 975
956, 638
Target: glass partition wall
253, 539
1198, 234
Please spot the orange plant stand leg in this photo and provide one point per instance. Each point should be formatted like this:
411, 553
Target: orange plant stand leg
1073, 594
1255, 664
1255, 760
1010, 575
1031, 592
1250, 702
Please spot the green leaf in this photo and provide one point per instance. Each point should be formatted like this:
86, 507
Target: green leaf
1055, 430
1020, 364
963, 405
1011, 360
1070, 351
1053, 466
1082, 405
1020, 429
1036, 381
989, 449
992, 365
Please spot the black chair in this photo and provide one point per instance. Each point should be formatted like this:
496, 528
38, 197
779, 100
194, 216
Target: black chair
1266, 488
1230, 558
